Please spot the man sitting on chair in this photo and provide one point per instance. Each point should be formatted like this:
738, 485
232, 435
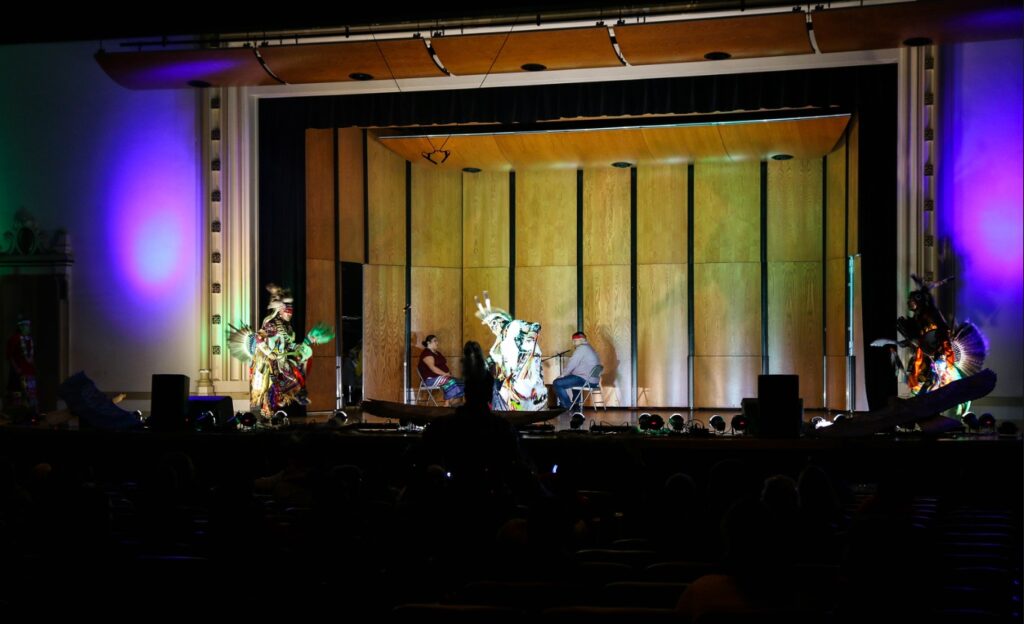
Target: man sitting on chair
577, 371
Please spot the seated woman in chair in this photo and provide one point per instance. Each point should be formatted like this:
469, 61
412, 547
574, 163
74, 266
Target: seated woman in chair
433, 369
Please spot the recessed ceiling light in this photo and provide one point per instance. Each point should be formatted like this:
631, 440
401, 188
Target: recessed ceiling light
622, 164
533, 67
360, 76
782, 157
199, 84
917, 42
717, 56
471, 169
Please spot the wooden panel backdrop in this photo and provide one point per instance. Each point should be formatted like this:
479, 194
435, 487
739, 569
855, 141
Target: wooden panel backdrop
436, 218
386, 191
661, 214
547, 295
436, 301
383, 331
606, 217
485, 248
662, 341
350, 195
606, 280
485, 219
606, 312
794, 274
835, 277
545, 220
727, 212
727, 283
320, 291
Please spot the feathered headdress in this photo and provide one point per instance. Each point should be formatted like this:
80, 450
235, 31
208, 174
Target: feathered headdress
489, 315
280, 298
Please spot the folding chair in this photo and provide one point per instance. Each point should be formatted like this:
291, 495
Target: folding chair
588, 390
428, 389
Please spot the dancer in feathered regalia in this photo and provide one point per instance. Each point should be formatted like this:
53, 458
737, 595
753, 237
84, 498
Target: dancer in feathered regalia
277, 363
940, 353
515, 356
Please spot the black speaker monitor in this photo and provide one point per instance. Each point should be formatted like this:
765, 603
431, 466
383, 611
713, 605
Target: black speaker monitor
221, 407
780, 410
169, 402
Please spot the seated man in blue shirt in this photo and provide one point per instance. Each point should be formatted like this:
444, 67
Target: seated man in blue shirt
577, 372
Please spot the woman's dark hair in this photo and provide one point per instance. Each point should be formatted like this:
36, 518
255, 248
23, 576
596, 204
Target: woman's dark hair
479, 383
428, 339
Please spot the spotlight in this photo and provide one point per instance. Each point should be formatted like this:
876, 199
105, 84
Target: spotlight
1007, 428
205, 421
677, 422
739, 423
246, 419
840, 418
970, 420
820, 422
340, 415
717, 423
987, 421
576, 421
649, 422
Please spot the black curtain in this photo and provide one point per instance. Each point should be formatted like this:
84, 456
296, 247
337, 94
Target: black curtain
869, 91
876, 225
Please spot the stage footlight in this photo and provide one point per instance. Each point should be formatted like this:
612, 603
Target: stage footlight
1007, 428
205, 421
970, 420
650, 422
340, 415
739, 423
987, 421
840, 418
246, 419
717, 423
820, 422
677, 422
576, 421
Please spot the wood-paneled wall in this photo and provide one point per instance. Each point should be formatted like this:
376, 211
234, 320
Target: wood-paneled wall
461, 243
727, 282
545, 219
835, 277
351, 192
320, 301
485, 249
606, 227
794, 213
386, 194
436, 218
606, 311
383, 331
485, 220
661, 289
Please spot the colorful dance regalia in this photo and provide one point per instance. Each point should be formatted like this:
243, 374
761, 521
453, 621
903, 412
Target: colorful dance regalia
277, 363
940, 354
515, 356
